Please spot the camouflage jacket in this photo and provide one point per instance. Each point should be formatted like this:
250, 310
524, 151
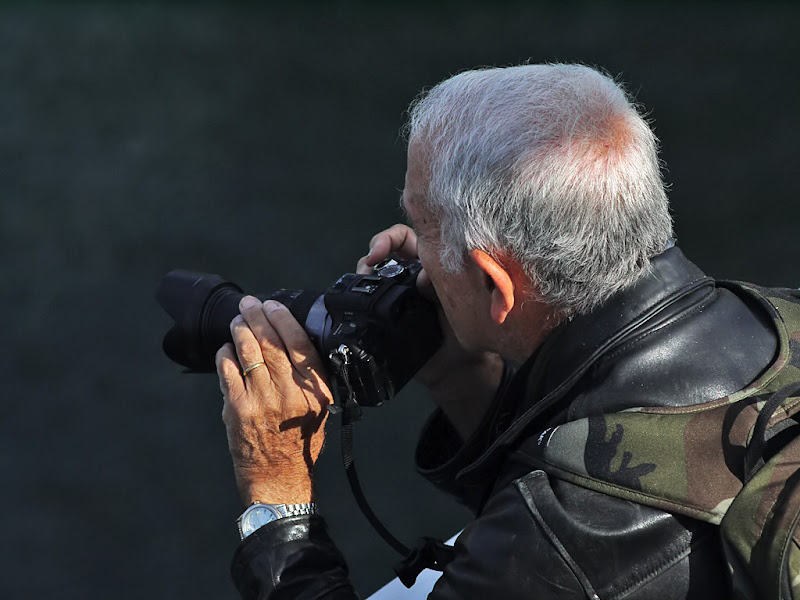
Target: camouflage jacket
676, 339
731, 461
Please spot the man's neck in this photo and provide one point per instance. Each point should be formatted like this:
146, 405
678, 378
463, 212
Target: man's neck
525, 330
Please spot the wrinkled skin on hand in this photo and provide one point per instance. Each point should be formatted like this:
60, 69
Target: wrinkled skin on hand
274, 415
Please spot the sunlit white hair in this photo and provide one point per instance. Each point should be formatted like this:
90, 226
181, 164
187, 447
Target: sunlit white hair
551, 165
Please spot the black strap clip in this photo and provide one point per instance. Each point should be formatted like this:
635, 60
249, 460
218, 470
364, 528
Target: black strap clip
429, 553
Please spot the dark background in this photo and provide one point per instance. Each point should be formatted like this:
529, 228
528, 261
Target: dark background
261, 142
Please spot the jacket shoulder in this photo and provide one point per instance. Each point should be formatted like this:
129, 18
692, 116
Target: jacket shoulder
539, 536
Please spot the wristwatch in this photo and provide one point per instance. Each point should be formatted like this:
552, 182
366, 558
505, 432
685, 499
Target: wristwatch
259, 514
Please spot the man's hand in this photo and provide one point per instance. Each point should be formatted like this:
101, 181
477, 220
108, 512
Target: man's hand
275, 413
398, 239
462, 382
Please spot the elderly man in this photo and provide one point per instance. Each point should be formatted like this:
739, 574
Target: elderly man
537, 209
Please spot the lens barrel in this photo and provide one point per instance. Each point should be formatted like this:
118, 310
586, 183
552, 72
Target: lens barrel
203, 306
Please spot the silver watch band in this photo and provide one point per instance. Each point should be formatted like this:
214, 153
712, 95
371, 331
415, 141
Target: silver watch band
259, 514
295, 510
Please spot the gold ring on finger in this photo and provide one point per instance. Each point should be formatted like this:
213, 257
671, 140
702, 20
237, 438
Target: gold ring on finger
247, 370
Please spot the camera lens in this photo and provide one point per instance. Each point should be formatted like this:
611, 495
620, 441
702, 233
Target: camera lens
203, 307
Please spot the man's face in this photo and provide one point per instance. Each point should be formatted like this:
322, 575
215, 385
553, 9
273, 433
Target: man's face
456, 291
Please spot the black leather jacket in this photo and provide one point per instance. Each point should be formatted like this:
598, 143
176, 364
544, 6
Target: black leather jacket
673, 339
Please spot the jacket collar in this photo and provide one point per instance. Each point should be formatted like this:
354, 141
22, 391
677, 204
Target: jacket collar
671, 276
572, 348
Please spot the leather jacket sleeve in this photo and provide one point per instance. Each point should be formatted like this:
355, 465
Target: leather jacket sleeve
291, 559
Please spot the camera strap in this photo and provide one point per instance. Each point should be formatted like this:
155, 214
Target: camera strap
429, 553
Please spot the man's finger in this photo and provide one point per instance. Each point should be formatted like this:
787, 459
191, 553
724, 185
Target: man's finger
248, 350
398, 239
230, 377
272, 348
362, 268
301, 350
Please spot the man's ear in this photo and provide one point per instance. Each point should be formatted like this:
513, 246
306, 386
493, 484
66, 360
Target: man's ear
499, 283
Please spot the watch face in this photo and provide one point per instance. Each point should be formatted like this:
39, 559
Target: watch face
257, 516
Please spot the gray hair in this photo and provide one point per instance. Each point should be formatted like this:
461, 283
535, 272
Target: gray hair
551, 165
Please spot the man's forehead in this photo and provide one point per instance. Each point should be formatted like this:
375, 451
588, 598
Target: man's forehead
416, 182
402, 204
406, 206
419, 217
412, 200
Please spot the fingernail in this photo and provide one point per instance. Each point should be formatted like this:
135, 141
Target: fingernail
272, 305
247, 302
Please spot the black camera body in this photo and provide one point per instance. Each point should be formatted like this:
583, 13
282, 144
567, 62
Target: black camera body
375, 331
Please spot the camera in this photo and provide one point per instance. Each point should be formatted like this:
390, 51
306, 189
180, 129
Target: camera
375, 331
